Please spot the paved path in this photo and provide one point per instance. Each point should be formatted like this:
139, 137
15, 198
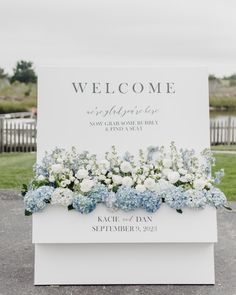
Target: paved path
16, 260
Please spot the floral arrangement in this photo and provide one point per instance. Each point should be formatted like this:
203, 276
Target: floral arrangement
79, 181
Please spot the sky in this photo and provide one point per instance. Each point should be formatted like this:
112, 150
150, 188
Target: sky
119, 32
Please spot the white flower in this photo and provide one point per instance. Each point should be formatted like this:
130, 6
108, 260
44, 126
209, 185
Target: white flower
189, 177
166, 171
150, 184
81, 173
117, 170
101, 177
86, 185
40, 178
125, 167
76, 181
157, 156
117, 179
162, 185
57, 168
140, 188
63, 183
183, 171
173, 177
105, 164
51, 178
108, 181
199, 184
127, 181
167, 163
62, 196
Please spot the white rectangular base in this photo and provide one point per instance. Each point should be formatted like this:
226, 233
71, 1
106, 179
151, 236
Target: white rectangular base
154, 263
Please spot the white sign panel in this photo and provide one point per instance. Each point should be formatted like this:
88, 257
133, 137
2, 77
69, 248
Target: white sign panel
132, 108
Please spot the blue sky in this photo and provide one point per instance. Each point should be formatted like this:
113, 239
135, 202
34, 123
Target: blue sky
119, 32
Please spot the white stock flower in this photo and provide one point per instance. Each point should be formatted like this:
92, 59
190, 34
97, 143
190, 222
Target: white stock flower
140, 187
199, 183
167, 163
173, 177
86, 185
81, 173
150, 184
117, 179
40, 177
105, 164
62, 196
57, 168
182, 171
51, 178
127, 181
125, 167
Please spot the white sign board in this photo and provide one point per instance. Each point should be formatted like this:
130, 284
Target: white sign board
132, 108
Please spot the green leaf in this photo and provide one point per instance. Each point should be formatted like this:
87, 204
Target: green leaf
179, 211
70, 207
27, 213
227, 207
24, 189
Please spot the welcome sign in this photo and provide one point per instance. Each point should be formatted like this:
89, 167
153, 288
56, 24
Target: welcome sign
130, 108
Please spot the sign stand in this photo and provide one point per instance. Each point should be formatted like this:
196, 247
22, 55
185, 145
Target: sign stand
162, 248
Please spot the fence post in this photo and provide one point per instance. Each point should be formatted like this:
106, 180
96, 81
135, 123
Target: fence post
229, 131
1, 135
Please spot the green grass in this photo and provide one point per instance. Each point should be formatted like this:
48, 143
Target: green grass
228, 184
224, 148
223, 103
16, 169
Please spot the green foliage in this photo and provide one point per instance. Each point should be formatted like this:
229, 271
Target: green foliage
24, 72
224, 103
3, 75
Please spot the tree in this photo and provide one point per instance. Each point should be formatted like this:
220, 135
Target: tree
3, 75
24, 72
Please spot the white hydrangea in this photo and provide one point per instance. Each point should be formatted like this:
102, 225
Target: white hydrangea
140, 187
199, 184
81, 173
62, 196
162, 185
86, 185
150, 184
117, 179
127, 181
173, 176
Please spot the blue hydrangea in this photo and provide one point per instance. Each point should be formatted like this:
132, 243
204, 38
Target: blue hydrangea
110, 201
35, 200
216, 197
99, 193
175, 197
150, 201
195, 198
127, 198
83, 204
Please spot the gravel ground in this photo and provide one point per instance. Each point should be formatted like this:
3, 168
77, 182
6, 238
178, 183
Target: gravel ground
16, 259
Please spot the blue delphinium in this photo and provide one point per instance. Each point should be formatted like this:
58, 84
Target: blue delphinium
83, 204
36, 200
150, 201
218, 175
99, 193
127, 198
175, 197
195, 198
216, 197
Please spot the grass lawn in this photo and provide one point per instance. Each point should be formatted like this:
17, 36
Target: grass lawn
228, 184
16, 169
